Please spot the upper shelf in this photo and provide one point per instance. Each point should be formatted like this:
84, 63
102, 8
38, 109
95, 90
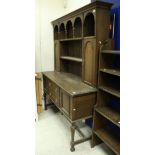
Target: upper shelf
110, 90
110, 52
110, 114
71, 58
111, 71
70, 39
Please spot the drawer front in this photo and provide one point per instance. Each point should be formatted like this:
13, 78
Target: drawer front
82, 106
52, 90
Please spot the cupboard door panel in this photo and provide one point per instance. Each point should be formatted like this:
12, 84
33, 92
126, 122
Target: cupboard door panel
65, 103
83, 106
89, 66
57, 55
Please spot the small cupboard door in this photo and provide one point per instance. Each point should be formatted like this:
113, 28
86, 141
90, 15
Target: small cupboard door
82, 106
57, 55
89, 63
65, 102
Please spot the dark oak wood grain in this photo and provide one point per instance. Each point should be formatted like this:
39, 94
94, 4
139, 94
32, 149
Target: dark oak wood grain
70, 83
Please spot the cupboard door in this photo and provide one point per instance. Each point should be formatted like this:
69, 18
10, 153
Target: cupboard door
83, 106
57, 55
89, 64
65, 102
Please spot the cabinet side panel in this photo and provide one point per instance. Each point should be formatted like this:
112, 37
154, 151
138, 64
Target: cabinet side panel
102, 24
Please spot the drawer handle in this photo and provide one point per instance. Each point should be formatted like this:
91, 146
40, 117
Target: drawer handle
74, 109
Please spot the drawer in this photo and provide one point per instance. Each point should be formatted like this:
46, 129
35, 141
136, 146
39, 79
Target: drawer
52, 90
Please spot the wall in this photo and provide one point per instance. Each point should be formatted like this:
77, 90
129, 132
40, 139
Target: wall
72, 5
46, 11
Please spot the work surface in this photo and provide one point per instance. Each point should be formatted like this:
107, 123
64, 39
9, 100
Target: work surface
70, 83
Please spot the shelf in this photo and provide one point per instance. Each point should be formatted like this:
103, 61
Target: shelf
110, 114
109, 139
71, 58
89, 37
110, 52
70, 39
111, 71
110, 90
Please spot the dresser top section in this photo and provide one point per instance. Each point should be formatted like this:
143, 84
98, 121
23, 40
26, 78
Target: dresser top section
69, 83
96, 4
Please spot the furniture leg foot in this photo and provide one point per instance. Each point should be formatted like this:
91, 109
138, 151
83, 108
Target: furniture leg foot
72, 149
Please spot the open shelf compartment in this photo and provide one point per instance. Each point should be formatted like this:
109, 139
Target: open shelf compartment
69, 29
78, 27
73, 67
89, 25
56, 36
108, 106
109, 83
71, 49
106, 132
110, 63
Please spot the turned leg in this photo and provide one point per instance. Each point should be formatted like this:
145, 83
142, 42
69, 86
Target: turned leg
45, 101
72, 138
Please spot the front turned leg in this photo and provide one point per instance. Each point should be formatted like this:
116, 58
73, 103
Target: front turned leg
72, 138
45, 101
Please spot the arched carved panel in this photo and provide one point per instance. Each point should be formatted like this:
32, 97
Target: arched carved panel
57, 55
89, 25
89, 61
78, 27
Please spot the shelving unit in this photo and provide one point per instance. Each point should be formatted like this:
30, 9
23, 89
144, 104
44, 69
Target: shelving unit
76, 38
106, 119
76, 50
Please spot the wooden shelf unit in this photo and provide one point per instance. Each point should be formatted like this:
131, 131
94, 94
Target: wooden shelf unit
77, 35
71, 86
107, 110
